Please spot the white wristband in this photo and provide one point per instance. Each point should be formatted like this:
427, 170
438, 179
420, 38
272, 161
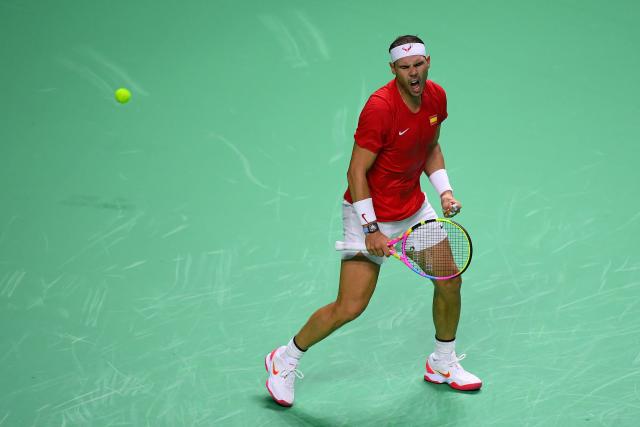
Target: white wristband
440, 181
364, 208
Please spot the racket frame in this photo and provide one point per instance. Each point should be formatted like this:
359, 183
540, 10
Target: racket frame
403, 256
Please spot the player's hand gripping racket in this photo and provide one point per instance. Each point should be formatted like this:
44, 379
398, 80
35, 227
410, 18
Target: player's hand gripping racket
437, 248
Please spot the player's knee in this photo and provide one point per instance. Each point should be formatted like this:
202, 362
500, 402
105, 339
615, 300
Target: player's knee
448, 285
347, 312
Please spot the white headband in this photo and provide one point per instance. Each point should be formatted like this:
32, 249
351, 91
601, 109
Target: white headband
408, 49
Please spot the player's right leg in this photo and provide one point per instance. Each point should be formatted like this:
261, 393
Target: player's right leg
358, 277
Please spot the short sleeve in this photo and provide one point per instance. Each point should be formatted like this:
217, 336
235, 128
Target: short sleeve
373, 125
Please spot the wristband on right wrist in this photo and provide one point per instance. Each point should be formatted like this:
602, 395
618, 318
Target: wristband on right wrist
364, 209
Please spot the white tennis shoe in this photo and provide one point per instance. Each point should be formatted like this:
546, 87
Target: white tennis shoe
282, 375
451, 372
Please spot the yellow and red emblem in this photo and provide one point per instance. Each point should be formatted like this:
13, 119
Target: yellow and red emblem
433, 120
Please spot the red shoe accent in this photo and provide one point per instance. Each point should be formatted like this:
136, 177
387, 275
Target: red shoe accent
428, 368
454, 385
279, 402
426, 378
468, 387
430, 371
270, 358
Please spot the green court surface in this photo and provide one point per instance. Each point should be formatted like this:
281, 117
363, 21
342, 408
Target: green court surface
152, 253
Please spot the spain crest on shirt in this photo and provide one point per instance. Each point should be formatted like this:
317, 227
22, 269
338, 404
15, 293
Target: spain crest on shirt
433, 120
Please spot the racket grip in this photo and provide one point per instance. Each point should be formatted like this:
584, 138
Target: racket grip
349, 246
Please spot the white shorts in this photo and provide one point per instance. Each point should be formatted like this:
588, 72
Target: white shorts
352, 229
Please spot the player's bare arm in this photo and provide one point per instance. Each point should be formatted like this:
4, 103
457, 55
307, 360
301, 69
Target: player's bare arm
435, 161
361, 161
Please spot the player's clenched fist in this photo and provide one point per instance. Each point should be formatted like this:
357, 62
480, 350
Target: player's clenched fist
377, 244
450, 206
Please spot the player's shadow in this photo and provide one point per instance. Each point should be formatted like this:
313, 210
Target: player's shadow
294, 416
445, 388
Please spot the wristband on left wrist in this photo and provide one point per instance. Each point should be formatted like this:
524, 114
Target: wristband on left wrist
440, 181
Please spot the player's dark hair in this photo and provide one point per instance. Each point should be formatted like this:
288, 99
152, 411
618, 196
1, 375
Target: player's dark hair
404, 40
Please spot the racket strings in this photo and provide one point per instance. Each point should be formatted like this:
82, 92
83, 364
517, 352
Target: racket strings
437, 249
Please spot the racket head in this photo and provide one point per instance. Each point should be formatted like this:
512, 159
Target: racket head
437, 249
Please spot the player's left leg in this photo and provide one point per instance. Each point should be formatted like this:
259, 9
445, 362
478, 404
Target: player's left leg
443, 365
446, 307
438, 260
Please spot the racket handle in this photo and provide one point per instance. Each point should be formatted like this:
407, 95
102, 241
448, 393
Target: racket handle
350, 246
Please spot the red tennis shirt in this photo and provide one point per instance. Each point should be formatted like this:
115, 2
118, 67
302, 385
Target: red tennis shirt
400, 138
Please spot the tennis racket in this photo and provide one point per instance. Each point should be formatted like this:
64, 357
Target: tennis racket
437, 248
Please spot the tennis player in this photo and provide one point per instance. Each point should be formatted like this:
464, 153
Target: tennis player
395, 142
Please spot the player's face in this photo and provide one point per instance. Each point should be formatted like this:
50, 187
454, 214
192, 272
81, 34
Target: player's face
411, 73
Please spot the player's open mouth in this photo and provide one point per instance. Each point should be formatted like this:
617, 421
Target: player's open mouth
414, 83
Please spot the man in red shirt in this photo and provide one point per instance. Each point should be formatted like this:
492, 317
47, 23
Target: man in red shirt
396, 141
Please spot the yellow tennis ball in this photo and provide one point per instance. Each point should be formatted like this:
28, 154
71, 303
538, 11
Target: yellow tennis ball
123, 95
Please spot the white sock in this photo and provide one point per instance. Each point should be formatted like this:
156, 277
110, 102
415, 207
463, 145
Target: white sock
444, 350
292, 353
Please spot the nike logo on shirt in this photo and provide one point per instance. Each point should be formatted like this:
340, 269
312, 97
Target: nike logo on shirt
403, 132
